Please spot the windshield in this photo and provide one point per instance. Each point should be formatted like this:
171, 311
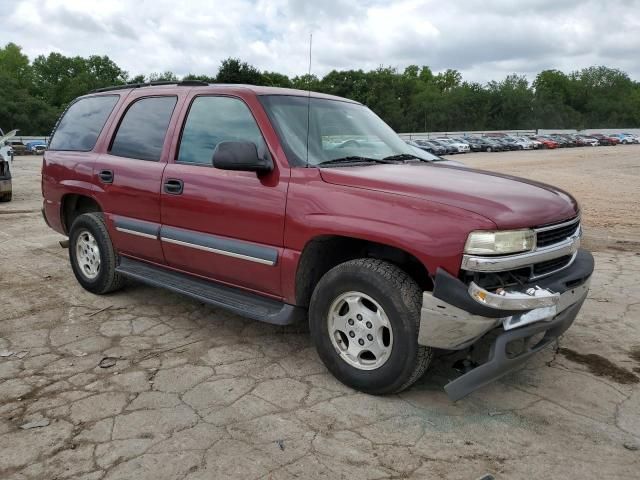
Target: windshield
336, 130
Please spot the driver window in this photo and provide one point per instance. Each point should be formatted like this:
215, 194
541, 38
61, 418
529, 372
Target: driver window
212, 120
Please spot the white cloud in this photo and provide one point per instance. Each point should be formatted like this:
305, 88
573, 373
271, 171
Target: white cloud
484, 39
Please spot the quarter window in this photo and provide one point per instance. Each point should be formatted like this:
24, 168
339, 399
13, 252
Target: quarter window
212, 120
143, 129
80, 127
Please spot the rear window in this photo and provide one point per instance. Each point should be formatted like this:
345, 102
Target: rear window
80, 127
143, 128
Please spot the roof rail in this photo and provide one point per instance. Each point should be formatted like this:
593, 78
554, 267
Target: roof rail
184, 83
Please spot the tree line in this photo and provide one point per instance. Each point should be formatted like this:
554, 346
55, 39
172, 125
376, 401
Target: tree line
34, 93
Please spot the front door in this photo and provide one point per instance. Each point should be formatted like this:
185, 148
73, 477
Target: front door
128, 177
224, 225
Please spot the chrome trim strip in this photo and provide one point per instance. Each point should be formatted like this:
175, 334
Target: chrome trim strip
139, 234
135, 226
220, 252
476, 263
557, 225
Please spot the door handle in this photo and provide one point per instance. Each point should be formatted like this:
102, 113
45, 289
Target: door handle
173, 186
106, 176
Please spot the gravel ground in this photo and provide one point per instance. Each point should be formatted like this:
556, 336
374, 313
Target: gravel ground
145, 384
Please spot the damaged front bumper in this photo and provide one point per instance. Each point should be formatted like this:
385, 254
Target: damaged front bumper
455, 316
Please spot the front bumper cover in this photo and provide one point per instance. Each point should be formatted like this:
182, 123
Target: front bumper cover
453, 319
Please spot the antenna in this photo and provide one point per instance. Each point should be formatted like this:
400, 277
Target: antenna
309, 97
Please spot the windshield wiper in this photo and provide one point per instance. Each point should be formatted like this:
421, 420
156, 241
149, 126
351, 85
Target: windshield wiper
355, 159
404, 156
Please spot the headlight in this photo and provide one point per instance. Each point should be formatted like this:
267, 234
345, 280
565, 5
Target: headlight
500, 242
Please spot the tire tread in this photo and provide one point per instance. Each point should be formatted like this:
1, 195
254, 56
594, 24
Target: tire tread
113, 281
411, 295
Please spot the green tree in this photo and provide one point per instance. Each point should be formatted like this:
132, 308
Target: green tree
233, 70
412, 99
167, 76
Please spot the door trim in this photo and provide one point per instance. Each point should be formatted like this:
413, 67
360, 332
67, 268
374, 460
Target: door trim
136, 227
220, 245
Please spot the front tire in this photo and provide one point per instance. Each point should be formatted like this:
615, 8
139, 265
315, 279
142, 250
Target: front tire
364, 318
92, 256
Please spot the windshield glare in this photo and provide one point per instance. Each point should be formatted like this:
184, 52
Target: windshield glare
337, 130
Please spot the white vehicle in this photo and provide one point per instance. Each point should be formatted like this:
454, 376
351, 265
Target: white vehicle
522, 143
461, 147
526, 143
6, 157
591, 141
536, 143
628, 138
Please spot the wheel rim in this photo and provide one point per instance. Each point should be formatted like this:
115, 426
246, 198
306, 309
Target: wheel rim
360, 331
88, 255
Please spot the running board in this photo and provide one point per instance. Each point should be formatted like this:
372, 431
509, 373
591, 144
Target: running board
235, 300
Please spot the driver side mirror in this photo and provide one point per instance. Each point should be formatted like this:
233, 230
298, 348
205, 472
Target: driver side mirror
240, 156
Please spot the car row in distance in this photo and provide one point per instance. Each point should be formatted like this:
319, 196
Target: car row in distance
499, 142
17, 148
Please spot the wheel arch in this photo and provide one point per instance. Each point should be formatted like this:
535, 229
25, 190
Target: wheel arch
321, 253
74, 204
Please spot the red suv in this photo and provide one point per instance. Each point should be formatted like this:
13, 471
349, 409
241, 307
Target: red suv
282, 205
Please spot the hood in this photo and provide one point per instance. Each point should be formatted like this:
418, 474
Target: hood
509, 202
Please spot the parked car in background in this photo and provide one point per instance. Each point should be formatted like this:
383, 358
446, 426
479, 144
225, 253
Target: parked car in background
546, 142
458, 146
635, 138
18, 147
450, 149
435, 149
563, 142
463, 140
605, 140
505, 144
6, 188
35, 147
533, 144
432, 157
625, 138
490, 144
586, 141
6, 156
566, 139
477, 144
428, 146
520, 144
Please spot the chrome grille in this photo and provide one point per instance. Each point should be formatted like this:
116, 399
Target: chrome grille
550, 266
556, 233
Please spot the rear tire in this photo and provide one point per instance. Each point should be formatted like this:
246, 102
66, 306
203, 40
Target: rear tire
385, 291
93, 258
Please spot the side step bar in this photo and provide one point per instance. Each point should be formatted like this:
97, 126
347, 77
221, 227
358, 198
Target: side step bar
235, 300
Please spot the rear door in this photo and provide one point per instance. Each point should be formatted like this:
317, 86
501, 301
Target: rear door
224, 225
129, 174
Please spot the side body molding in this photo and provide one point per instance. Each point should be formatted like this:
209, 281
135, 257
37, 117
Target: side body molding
220, 245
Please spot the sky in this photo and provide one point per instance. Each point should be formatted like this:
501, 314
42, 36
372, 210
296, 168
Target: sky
485, 40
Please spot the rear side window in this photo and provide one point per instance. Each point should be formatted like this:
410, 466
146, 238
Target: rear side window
142, 130
82, 123
212, 120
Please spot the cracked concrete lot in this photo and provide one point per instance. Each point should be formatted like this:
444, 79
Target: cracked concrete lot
144, 384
